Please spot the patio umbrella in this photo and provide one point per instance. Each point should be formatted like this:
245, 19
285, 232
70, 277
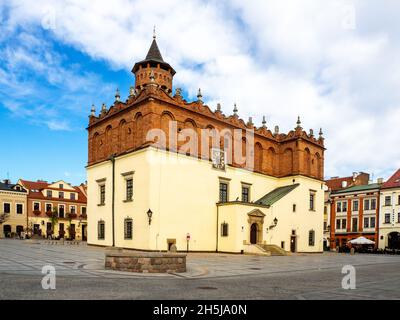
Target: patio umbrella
361, 240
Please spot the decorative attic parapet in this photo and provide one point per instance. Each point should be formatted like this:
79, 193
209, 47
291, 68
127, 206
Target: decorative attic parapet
154, 91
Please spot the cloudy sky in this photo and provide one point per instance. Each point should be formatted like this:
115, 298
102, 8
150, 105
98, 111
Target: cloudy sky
334, 63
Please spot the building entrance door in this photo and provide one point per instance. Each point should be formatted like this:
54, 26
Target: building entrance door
84, 236
293, 244
253, 233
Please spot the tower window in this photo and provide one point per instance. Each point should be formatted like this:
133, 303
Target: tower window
224, 229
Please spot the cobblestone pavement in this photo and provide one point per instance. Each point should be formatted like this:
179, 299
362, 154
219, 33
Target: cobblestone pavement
81, 275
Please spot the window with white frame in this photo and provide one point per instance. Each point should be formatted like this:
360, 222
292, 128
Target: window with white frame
388, 201
102, 191
372, 222
19, 208
354, 225
387, 218
344, 224
366, 222
49, 207
366, 205
373, 204
36, 206
355, 205
341, 206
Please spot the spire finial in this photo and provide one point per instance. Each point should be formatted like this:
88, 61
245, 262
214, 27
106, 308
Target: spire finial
264, 122
235, 109
131, 92
154, 32
117, 95
320, 133
298, 122
103, 108
93, 110
199, 96
218, 107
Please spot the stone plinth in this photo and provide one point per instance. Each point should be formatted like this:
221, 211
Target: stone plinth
146, 262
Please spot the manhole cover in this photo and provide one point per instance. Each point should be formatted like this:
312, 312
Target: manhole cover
207, 288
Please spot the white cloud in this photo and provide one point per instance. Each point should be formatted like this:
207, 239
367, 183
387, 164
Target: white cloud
278, 58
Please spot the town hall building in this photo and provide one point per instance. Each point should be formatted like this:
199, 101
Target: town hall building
152, 183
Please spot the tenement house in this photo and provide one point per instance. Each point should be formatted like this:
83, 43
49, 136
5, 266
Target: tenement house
389, 224
13, 218
56, 210
154, 181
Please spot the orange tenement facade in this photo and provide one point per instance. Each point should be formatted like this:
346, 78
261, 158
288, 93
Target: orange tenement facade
151, 105
340, 238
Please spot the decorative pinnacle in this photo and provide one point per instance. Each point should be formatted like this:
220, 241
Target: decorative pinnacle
264, 122
103, 107
250, 123
235, 109
117, 95
320, 133
276, 130
131, 91
311, 132
298, 122
93, 110
178, 92
218, 107
199, 96
154, 32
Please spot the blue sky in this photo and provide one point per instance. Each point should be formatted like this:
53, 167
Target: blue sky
334, 63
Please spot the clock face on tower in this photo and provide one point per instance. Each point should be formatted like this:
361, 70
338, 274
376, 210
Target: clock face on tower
218, 159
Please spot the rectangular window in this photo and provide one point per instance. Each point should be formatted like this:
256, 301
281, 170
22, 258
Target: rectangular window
344, 206
344, 223
36, 206
72, 209
338, 207
128, 229
372, 224
61, 195
61, 186
61, 211
325, 210
19, 208
101, 230
388, 201
245, 194
283, 245
312, 199
325, 225
49, 194
355, 225
49, 207
223, 192
294, 207
366, 222
311, 238
373, 204
129, 189
366, 204
224, 229
103, 194
355, 205
7, 208
72, 196
83, 210
387, 217
338, 224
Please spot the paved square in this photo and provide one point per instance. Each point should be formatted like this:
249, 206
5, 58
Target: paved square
81, 275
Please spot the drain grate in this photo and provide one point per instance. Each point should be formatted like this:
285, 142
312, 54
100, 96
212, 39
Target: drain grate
207, 288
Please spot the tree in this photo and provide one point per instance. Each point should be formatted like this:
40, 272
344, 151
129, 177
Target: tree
53, 219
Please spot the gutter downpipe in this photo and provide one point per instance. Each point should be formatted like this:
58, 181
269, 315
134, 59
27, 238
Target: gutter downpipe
112, 158
216, 249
